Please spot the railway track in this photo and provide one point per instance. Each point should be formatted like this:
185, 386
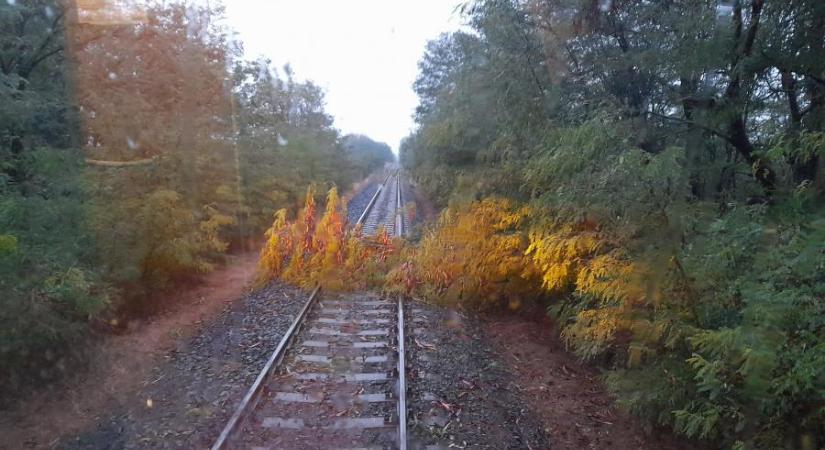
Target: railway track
337, 378
385, 208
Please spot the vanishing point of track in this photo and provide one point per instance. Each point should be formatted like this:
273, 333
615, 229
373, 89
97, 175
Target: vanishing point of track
337, 378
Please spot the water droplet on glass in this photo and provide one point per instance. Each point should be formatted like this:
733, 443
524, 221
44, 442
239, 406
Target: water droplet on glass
724, 11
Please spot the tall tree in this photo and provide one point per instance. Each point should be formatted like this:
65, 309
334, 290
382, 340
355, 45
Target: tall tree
35, 109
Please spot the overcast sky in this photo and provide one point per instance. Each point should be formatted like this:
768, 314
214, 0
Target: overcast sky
364, 53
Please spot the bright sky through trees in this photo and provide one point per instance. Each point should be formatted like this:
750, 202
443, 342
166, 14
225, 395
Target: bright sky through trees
363, 53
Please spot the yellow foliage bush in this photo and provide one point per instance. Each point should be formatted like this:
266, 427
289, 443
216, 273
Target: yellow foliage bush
301, 232
489, 253
278, 246
474, 255
482, 254
561, 252
174, 241
613, 292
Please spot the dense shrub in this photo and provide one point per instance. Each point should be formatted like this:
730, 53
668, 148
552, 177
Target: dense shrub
473, 255
670, 157
50, 291
163, 153
310, 251
723, 340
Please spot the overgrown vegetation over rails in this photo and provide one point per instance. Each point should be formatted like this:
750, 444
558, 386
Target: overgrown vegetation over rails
310, 251
653, 171
474, 256
164, 150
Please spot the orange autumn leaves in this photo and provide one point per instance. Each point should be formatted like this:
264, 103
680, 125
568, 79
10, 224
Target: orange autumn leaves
496, 253
483, 254
307, 251
474, 255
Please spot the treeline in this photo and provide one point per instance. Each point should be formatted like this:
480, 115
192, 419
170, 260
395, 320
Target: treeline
137, 147
370, 155
653, 173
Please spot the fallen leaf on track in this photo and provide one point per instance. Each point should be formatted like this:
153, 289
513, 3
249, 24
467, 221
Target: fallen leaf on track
424, 345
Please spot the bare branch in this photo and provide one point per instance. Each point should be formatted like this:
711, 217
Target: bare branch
138, 162
691, 123
39, 56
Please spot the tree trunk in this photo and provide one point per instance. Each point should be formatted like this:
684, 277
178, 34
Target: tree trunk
803, 166
694, 140
736, 127
763, 172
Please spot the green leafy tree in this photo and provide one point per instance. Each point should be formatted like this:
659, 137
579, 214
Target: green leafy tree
669, 153
366, 155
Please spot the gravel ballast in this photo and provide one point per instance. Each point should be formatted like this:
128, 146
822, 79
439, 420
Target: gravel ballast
190, 396
461, 393
358, 203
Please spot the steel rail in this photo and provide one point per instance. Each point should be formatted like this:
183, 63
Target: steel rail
402, 383
372, 202
251, 396
402, 366
399, 214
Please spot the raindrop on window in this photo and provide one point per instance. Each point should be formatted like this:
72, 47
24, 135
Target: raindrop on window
723, 11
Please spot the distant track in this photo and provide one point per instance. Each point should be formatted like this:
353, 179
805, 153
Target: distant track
385, 208
337, 378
